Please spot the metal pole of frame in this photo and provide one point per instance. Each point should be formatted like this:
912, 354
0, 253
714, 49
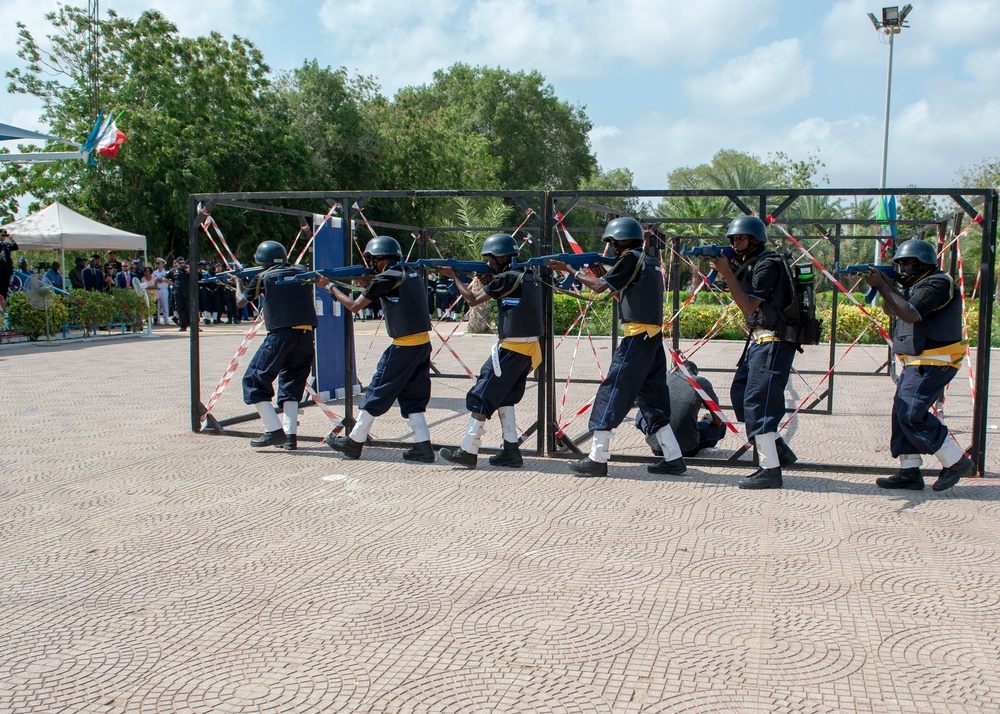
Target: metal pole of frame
546, 386
348, 321
543, 246
834, 293
675, 288
193, 319
987, 271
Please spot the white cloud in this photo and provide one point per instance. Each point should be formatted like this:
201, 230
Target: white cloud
403, 42
600, 133
764, 81
983, 66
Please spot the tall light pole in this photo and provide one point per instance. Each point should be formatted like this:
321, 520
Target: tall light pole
893, 22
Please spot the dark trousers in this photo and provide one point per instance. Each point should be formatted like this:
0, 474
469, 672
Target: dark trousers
709, 435
403, 374
5, 272
915, 429
638, 375
758, 389
181, 305
286, 355
490, 392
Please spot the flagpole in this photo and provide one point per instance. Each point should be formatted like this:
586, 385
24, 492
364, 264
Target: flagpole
885, 140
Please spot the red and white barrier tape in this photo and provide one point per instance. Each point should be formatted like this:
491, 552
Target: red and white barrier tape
231, 369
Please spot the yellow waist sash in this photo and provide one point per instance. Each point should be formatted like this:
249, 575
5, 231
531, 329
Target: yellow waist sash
530, 349
947, 356
633, 329
421, 338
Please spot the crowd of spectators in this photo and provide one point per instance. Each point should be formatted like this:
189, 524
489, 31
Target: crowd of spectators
168, 288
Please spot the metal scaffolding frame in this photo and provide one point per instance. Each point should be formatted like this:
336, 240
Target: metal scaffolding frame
548, 207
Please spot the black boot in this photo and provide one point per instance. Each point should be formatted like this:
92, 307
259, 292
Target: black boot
586, 467
345, 445
270, 438
422, 451
949, 476
292, 444
654, 445
459, 456
909, 479
510, 456
762, 478
786, 457
675, 467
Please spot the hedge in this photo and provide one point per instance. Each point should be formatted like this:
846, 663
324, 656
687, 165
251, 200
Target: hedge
89, 309
705, 311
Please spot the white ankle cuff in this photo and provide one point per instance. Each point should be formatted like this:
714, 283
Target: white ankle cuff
950, 452
360, 431
508, 424
668, 443
473, 436
268, 416
290, 410
767, 450
419, 425
600, 449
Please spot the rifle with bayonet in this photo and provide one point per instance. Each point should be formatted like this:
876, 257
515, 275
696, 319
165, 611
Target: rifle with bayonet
461, 267
347, 272
864, 269
710, 251
241, 273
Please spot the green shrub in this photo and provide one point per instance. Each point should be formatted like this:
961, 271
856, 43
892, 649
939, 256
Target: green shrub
98, 308
30, 321
851, 322
130, 309
566, 309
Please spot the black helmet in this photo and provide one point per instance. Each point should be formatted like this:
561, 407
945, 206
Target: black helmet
500, 245
383, 246
623, 229
919, 250
270, 252
748, 226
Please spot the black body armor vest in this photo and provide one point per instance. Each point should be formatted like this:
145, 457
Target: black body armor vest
406, 313
768, 314
287, 305
939, 328
642, 299
519, 313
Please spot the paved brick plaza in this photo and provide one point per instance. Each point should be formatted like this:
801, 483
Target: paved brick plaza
147, 569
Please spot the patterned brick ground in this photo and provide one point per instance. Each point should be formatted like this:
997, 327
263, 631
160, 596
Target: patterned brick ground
144, 568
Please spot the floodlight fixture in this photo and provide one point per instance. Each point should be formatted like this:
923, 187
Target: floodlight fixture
875, 21
890, 16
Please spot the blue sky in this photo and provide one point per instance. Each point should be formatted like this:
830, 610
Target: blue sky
667, 83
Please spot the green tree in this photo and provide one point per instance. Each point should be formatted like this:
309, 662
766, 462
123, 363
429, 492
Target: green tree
538, 140
200, 114
330, 111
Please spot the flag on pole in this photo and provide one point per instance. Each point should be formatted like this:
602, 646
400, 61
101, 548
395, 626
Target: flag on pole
111, 140
887, 231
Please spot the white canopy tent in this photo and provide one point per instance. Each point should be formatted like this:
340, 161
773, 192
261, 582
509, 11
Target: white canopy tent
57, 227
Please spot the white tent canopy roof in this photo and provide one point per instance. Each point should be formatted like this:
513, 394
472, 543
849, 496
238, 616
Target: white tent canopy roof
57, 227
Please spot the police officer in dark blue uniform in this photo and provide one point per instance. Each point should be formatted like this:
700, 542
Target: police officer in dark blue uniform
927, 339
638, 373
515, 356
403, 373
287, 352
762, 289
